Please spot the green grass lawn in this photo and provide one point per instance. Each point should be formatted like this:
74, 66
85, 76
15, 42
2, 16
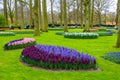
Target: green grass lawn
12, 69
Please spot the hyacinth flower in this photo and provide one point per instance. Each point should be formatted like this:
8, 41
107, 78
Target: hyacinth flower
57, 57
21, 43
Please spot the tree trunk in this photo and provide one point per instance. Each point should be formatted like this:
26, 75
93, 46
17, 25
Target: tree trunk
5, 12
118, 36
87, 16
40, 16
81, 12
52, 14
22, 13
16, 14
117, 15
37, 30
65, 17
31, 10
45, 19
99, 17
92, 14
61, 13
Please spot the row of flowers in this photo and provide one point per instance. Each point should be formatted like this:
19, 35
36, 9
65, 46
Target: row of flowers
108, 33
18, 44
113, 56
84, 35
7, 34
55, 57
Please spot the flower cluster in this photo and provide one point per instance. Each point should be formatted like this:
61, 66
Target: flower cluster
7, 34
21, 43
113, 56
84, 35
56, 57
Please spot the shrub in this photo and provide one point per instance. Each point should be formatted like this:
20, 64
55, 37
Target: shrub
18, 44
55, 57
7, 34
105, 33
84, 35
113, 56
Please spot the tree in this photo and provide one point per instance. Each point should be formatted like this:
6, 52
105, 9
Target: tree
87, 15
22, 12
52, 14
37, 30
81, 12
118, 36
40, 16
10, 10
16, 13
45, 19
92, 14
100, 6
65, 17
5, 12
61, 13
31, 10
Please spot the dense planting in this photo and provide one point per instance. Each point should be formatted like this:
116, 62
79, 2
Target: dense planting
21, 43
113, 56
108, 33
55, 57
7, 34
24, 32
84, 35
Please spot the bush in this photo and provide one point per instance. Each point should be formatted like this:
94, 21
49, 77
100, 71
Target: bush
105, 33
55, 57
84, 35
7, 34
18, 44
113, 56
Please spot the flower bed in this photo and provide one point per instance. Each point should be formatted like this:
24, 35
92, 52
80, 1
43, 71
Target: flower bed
81, 35
55, 29
7, 34
114, 57
24, 32
55, 57
21, 43
105, 33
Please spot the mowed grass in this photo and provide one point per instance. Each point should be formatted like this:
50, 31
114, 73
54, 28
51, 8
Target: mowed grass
12, 69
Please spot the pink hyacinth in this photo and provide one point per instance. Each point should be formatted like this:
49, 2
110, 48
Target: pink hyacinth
24, 41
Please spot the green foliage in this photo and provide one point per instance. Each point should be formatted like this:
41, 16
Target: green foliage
2, 20
58, 66
55, 29
7, 34
81, 35
102, 29
113, 56
20, 46
105, 33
